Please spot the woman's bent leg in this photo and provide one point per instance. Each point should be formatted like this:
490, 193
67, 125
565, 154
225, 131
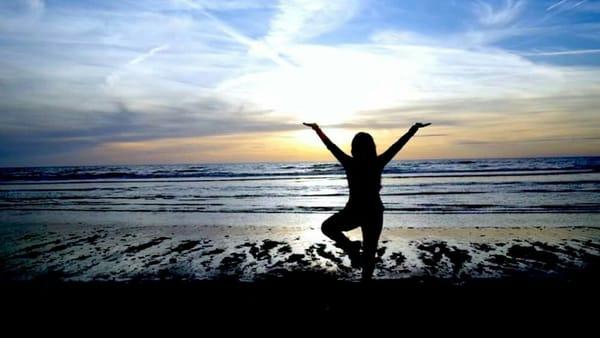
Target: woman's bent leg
334, 226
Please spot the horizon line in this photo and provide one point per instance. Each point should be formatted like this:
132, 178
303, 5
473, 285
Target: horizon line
307, 161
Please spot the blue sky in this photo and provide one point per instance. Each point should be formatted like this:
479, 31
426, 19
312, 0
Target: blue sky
94, 82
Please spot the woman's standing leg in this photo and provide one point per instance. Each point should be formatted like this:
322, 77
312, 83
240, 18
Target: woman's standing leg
371, 231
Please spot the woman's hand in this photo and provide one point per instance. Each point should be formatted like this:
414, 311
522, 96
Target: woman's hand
312, 125
420, 125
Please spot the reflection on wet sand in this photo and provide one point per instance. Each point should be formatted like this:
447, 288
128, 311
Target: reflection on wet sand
259, 253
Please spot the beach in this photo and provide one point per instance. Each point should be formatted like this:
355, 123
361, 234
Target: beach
248, 254
178, 273
212, 155
224, 236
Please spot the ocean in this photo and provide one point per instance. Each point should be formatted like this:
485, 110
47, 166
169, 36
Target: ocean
561, 191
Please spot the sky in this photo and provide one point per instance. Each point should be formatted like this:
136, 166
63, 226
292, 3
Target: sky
193, 81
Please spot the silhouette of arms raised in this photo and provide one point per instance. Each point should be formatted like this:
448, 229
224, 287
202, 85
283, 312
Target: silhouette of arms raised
389, 154
334, 149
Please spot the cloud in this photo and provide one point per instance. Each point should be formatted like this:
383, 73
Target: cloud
494, 17
223, 5
532, 140
65, 135
298, 20
353, 78
403, 37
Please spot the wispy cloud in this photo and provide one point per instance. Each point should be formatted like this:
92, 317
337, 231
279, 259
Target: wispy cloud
254, 46
223, 5
297, 20
532, 140
488, 15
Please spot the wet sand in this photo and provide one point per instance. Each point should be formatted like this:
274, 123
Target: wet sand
182, 272
250, 254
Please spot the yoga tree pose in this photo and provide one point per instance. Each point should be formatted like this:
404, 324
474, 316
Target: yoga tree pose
364, 207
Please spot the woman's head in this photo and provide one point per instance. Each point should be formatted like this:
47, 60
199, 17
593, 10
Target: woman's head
363, 147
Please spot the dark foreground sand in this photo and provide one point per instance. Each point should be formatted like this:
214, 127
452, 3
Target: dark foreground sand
296, 269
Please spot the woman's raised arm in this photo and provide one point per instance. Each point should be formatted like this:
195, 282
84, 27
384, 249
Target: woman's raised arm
389, 154
342, 157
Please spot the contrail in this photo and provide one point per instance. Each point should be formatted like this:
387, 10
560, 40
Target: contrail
555, 5
566, 52
148, 54
252, 44
579, 3
113, 77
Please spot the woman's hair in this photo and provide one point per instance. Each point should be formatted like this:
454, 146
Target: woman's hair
363, 147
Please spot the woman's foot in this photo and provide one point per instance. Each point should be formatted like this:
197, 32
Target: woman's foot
368, 266
352, 249
354, 254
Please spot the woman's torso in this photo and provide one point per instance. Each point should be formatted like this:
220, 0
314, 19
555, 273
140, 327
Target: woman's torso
364, 182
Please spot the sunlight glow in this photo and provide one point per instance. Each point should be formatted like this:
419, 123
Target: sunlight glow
330, 85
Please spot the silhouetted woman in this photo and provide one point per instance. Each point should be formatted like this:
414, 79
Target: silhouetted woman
364, 207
